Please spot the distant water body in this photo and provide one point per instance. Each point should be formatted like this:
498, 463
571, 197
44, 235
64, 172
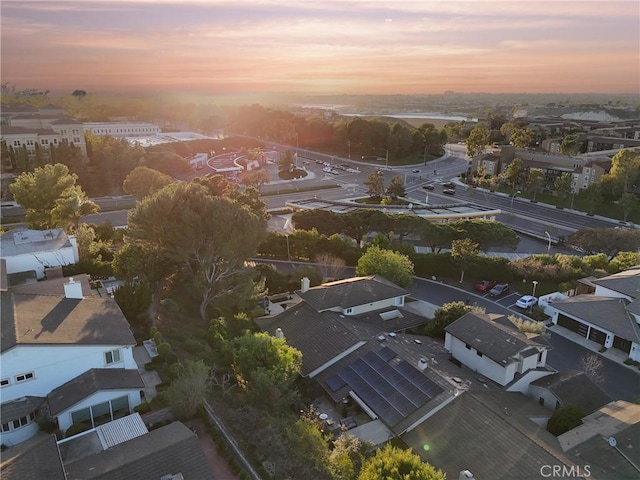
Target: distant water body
426, 116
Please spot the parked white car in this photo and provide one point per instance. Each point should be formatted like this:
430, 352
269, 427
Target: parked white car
526, 301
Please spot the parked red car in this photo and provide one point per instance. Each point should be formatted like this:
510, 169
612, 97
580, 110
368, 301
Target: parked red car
486, 285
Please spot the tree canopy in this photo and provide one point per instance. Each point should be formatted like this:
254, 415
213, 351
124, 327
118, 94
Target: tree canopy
51, 197
143, 181
393, 463
393, 266
478, 139
609, 241
207, 238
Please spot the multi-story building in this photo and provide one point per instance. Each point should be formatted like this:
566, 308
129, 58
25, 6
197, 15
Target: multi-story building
122, 130
27, 126
66, 357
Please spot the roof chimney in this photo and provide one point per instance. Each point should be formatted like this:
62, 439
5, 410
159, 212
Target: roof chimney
279, 333
305, 284
422, 364
73, 289
465, 475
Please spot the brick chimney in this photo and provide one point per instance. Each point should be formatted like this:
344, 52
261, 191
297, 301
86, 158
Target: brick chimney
305, 284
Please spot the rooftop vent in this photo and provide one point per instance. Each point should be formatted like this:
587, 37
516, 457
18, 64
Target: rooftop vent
279, 333
422, 364
73, 289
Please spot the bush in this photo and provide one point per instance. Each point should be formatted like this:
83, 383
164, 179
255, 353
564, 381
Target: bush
565, 419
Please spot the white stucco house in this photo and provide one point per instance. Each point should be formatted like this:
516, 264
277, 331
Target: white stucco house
610, 316
67, 357
487, 344
25, 250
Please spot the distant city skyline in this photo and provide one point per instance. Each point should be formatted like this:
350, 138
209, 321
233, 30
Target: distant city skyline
216, 47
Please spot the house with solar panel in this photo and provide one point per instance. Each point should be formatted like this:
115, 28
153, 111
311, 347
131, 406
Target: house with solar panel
608, 313
67, 357
352, 335
490, 345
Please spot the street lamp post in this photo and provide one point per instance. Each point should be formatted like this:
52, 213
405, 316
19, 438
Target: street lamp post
548, 244
425, 155
533, 294
514, 196
387, 161
349, 146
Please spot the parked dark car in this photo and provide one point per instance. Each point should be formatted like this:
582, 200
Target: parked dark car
499, 289
486, 285
428, 187
449, 185
449, 191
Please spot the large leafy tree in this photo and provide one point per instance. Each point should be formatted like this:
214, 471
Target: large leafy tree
393, 463
464, 253
208, 238
255, 178
570, 145
115, 156
51, 197
513, 173
478, 139
609, 241
375, 184
565, 419
521, 137
396, 187
628, 202
393, 266
143, 181
265, 366
593, 197
487, 233
535, 181
189, 390
625, 168
563, 185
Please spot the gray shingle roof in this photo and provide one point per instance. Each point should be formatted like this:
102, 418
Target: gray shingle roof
19, 407
168, 450
35, 459
626, 282
489, 434
319, 336
574, 388
605, 312
486, 334
351, 292
10, 130
56, 320
90, 382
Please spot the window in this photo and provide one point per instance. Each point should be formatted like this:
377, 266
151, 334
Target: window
541, 401
16, 143
5, 427
76, 139
112, 357
75, 131
44, 141
479, 354
102, 413
63, 132
24, 377
349, 310
539, 357
4, 382
55, 140
468, 347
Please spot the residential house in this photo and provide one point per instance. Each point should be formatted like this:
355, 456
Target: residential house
491, 434
120, 450
610, 316
608, 441
352, 337
33, 251
485, 343
568, 387
69, 357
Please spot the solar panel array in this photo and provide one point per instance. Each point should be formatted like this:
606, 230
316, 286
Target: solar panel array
392, 392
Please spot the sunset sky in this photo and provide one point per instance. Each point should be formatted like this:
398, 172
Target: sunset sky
322, 47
